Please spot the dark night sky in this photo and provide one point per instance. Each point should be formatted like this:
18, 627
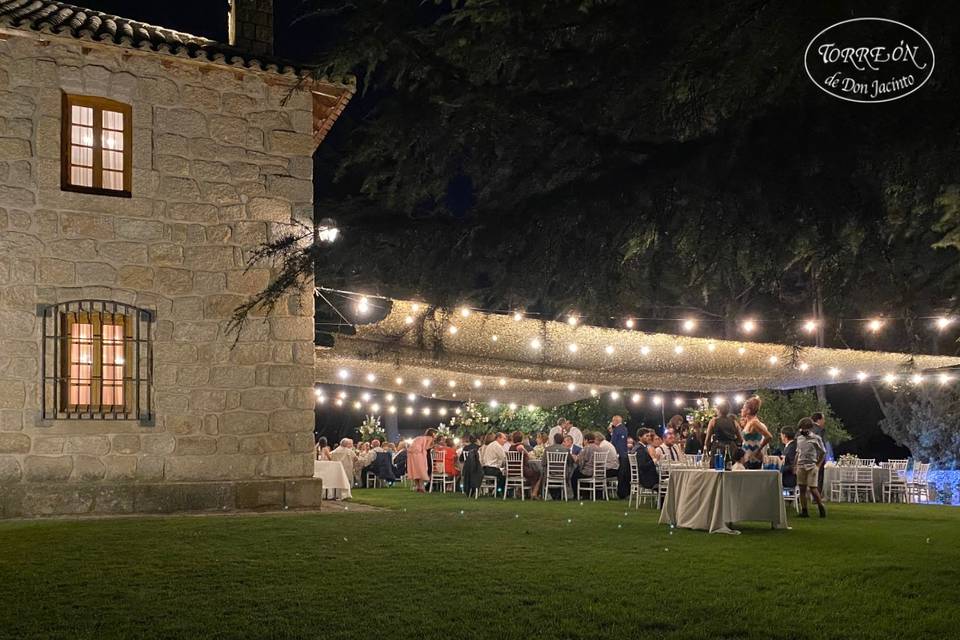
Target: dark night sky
206, 18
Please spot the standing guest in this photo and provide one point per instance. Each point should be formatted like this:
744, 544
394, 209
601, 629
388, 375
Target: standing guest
669, 449
618, 435
346, 456
417, 459
788, 436
694, 443
820, 429
530, 473
811, 455
566, 427
722, 434
494, 458
323, 451
585, 462
646, 462
755, 434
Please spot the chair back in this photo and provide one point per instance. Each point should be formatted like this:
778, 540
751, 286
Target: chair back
847, 474
634, 470
599, 464
920, 470
557, 465
514, 464
864, 474
896, 470
866, 462
439, 459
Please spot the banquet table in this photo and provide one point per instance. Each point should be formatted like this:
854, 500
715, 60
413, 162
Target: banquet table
336, 484
831, 473
712, 500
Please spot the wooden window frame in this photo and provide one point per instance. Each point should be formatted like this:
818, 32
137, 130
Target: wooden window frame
99, 105
97, 319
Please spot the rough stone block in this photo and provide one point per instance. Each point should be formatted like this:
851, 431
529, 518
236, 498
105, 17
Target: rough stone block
14, 442
9, 470
303, 494
196, 445
87, 469
243, 422
93, 445
289, 420
47, 468
265, 443
160, 443
125, 443
260, 495
285, 465
48, 444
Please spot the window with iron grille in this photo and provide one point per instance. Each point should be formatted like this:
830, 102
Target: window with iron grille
97, 361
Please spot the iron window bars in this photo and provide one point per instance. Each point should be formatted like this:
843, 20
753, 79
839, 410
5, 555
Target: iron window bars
97, 360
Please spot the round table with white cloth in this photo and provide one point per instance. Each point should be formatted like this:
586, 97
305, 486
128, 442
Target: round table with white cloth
713, 500
336, 484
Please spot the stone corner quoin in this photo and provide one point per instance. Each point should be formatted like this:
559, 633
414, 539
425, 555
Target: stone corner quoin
221, 162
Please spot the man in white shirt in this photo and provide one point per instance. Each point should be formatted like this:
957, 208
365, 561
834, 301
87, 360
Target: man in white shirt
613, 459
566, 428
670, 450
494, 459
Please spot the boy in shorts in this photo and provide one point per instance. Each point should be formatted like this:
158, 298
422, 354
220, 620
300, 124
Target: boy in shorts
810, 457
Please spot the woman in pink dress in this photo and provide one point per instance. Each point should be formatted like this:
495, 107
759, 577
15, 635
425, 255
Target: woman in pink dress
417, 459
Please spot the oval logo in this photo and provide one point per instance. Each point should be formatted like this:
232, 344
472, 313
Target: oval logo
869, 60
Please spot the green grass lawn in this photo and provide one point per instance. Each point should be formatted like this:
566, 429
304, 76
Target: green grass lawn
422, 569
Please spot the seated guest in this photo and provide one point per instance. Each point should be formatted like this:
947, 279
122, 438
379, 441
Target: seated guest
364, 459
346, 456
669, 449
494, 458
539, 447
400, 458
738, 461
450, 459
323, 451
613, 457
788, 436
530, 473
471, 445
631, 444
646, 463
694, 443
585, 461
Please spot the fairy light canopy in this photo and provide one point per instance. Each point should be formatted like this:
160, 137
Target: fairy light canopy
462, 354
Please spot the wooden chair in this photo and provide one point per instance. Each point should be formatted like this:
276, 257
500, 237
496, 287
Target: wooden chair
598, 480
439, 475
555, 472
895, 484
514, 475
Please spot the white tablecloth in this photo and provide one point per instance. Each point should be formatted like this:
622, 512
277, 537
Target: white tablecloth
831, 473
712, 500
336, 484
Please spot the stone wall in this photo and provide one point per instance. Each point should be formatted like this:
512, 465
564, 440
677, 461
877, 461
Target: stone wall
219, 165
251, 25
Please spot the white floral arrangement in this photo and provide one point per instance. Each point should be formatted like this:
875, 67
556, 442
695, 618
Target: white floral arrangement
847, 460
471, 419
370, 429
443, 431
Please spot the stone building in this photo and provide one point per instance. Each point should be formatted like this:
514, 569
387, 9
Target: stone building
139, 167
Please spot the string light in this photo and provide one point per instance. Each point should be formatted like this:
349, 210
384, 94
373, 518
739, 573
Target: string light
614, 395
494, 337
535, 343
375, 408
531, 407
425, 382
738, 398
944, 322
363, 306
426, 411
644, 350
803, 366
392, 409
442, 411
719, 400
890, 378
678, 349
773, 360
944, 378
415, 307
371, 377
389, 397
477, 384
408, 411
741, 351
689, 325
357, 405
572, 347
749, 326
494, 404
657, 401
343, 374
365, 397
453, 330
916, 378
512, 406
833, 371
875, 325
711, 347
629, 323
810, 326
502, 382
635, 398
338, 402
572, 320
517, 316
465, 312
451, 383
861, 376
343, 395
408, 319
609, 349
677, 402
571, 387
398, 380
593, 392
411, 397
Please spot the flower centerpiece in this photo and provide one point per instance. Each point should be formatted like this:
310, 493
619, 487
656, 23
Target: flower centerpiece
370, 429
443, 431
471, 420
847, 460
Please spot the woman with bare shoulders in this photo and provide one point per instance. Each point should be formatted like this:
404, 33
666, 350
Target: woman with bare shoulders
755, 434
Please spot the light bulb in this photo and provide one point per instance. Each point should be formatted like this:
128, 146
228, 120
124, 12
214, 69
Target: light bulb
494, 404
890, 378
594, 392
365, 397
571, 387
342, 394
517, 316
657, 401
572, 320
494, 337
338, 402
415, 307
398, 380
678, 401
425, 382
719, 400
442, 411
503, 382
411, 397
343, 374
875, 325
689, 325
512, 406
451, 383
371, 377
773, 360
609, 349
363, 306
741, 351
457, 411
375, 407
408, 320
678, 349
465, 312
749, 326
453, 330
392, 409
357, 405
711, 347
803, 366
426, 411
321, 399
635, 398
389, 397
535, 343
629, 323
614, 395
408, 411
477, 384
861, 376
833, 371
944, 322
572, 347
644, 350
531, 407
916, 378
944, 378
810, 326
738, 398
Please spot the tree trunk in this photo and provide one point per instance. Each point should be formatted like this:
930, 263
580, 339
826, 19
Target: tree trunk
818, 316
